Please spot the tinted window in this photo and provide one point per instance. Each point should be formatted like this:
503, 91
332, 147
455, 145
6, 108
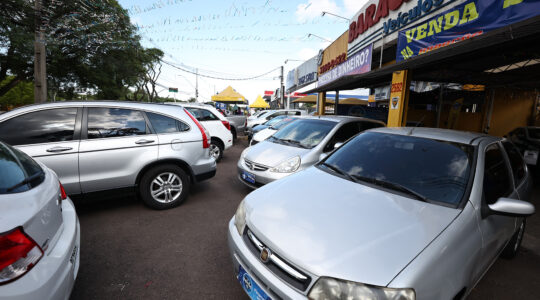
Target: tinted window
282, 123
303, 133
516, 162
162, 124
114, 122
15, 167
52, 125
344, 133
434, 169
202, 114
274, 120
496, 176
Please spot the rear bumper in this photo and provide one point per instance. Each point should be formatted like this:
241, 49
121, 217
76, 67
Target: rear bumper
54, 275
205, 176
204, 169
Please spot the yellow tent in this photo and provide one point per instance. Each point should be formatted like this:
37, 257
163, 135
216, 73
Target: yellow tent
259, 103
229, 95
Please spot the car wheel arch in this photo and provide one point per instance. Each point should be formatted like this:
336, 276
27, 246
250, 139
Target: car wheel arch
177, 162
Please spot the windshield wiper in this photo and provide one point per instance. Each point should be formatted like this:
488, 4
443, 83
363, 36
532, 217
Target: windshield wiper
393, 186
294, 143
339, 171
26, 181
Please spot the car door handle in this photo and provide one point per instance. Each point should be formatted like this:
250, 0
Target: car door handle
59, 149
142, 142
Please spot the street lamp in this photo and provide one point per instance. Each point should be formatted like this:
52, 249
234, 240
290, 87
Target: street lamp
329, 13
326, 40
287, 60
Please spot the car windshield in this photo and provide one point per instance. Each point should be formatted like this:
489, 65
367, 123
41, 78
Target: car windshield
303, 133
429, 170
282, 123
18, 172
274, 120
534, 133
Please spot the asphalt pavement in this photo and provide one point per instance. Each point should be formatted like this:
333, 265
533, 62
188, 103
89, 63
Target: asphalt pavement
129, 251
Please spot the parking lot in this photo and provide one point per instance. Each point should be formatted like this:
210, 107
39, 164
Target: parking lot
129, 251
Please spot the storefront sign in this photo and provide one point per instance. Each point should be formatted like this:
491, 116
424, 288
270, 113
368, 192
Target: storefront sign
387, 16
290, 82
356, 64
382, 93
307, 72
399, 98
462, 22
334, 54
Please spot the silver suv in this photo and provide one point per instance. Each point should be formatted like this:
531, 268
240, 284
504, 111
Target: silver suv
96, 146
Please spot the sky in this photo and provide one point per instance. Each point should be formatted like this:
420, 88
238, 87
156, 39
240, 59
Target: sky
235, 39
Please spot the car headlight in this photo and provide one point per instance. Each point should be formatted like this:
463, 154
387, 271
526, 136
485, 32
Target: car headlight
240, 218
330, 288
288, 166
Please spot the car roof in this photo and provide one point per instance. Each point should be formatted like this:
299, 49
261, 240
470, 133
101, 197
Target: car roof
456, 136
157, 107
338, 119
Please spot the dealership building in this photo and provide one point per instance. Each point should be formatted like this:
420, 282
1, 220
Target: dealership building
469, 65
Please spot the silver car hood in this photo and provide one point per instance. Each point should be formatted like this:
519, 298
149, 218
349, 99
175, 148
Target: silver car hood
333, 227
272, 154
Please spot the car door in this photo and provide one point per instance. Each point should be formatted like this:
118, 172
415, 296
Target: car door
498, 182
115, 144
522, 181
51, 136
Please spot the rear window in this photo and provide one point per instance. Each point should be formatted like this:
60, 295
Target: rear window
437, 170
18, 172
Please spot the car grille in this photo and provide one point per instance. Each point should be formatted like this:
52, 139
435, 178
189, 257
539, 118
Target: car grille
277, 265
255, 167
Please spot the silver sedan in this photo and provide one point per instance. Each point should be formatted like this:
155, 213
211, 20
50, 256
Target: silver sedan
395, 213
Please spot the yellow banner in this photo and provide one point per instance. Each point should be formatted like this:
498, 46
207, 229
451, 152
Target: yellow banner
399, 99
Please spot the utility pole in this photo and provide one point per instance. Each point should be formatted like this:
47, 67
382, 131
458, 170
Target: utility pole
196, 85
281, 90
40, 72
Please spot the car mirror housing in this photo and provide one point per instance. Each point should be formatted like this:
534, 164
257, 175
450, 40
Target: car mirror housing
338, 144
323, 156
512, 207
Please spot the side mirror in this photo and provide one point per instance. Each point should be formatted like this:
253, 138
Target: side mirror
512, 207
338, 144
323, 156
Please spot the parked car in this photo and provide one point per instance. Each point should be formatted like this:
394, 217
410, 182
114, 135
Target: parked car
265, 125
527, 139
238, 124
39, 231
297, 146
395, 213
159, 150
218, 126
269, 131
270, 114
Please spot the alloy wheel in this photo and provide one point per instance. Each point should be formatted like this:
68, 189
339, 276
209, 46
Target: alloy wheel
166, 187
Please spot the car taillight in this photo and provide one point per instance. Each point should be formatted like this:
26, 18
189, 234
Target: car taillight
227, 124
18, 254
63, 194
205, 143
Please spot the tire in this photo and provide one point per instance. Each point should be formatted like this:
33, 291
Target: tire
216, 149
233, 131
172, 178
511, 250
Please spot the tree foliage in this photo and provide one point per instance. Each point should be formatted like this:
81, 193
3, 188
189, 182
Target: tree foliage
92, 47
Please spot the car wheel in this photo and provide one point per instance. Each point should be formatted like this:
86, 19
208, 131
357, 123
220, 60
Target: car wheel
216, 150
511, 250
164, 187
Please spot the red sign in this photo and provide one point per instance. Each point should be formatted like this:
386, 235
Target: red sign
297, 95
268, 93
332, 64
371, 16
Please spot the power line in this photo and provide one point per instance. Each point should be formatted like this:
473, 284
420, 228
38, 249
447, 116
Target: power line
219, 78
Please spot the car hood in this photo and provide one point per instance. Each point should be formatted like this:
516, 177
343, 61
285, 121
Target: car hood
272, 154
333, 227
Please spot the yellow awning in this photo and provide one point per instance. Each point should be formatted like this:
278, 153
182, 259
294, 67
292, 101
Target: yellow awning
353, 101
228, 95
311, 99
259, 103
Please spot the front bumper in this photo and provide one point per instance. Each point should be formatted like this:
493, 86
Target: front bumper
261, 177
54, 275
241, 255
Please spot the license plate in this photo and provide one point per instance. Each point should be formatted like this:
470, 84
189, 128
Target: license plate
254, 291
530, 157
248, 177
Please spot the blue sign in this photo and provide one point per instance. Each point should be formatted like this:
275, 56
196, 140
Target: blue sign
461, 22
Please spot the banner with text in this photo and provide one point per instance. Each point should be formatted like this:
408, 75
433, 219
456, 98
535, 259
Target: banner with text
357, 64
462, 22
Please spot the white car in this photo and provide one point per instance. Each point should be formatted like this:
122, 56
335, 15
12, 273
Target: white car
270, 114
217, 124
39, 231
268, 132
